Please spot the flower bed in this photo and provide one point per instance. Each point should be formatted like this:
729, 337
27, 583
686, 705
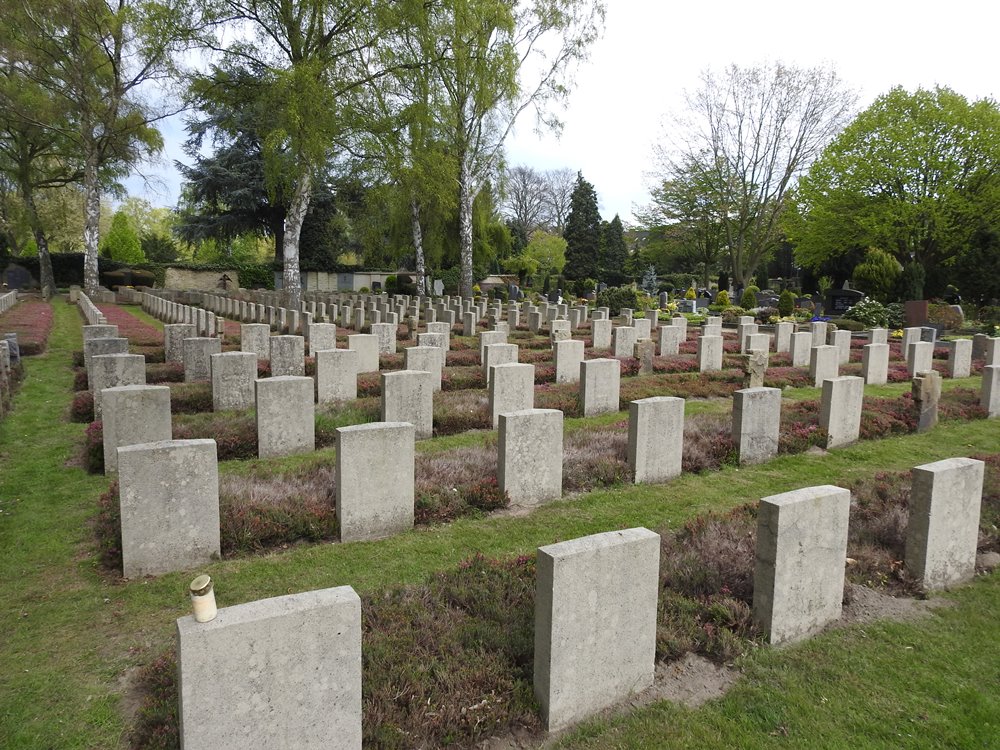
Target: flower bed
466, 633
138, 332
31, 320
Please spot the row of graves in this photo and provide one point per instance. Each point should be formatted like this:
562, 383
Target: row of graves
299, 656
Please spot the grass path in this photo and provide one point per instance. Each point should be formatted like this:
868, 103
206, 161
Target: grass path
69, 632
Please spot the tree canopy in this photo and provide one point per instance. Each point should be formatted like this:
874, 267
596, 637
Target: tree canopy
916, 175
583, 232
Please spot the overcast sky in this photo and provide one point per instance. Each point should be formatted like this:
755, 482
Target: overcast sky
653, 50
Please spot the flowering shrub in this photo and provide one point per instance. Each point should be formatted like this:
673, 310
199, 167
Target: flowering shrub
31, 320
869, 312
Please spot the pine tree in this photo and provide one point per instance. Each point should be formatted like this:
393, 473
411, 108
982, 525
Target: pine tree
122, 243
583, 232
614, 252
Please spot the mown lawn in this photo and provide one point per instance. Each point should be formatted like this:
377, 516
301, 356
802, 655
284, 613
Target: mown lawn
71, 634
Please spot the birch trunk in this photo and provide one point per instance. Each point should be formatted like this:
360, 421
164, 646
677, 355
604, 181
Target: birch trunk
418, 244
465, 226
296, 216
91, 224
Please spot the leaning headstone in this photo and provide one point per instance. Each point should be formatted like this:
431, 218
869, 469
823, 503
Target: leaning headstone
113, 370
655, 438
960, 358
875, 364
989, 397
408, 396
336, 375
567, 356
840, 410
798, 585
133, 414
374, 480
756, 423
823, 364
600, 386
943, 529
926, 395
595, 622
169, 503
233, 376
288, 356
511, 388
286, 422
530, 455
276, 673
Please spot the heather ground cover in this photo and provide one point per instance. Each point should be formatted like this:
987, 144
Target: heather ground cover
78, 637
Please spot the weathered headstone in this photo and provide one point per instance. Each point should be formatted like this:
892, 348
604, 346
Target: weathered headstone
601, 332
823, 364
233, 376
133, 414
595, 622
530, 455
408, 396
600, 386
286, 422
960, 358
710, 350
655, 438
276, 673
645, 349
840, 410
799, 572
113, 370
514, 390
336, 375
756, 423
567, 356
926, 395
169, 505
875, 364
989, 397
288, 356
623, 341
374, 480
427, 359
366, 345
943, 529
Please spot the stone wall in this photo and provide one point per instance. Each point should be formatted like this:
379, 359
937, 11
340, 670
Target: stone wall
204, 281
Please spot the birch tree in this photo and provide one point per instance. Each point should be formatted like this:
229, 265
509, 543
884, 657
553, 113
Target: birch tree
498, 58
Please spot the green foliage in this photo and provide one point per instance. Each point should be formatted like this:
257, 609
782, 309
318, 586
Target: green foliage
916, 174
870, 312
122, 243
614, 252
749, 299
876, 275
722, 298
451, 278
911, 281
617, 297
944, 315
650, 285
583, 232
547, 251
786, 303
158, 248
691, 293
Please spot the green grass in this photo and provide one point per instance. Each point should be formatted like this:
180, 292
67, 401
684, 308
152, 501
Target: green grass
70, 633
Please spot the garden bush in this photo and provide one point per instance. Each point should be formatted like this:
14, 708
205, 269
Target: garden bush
615, 298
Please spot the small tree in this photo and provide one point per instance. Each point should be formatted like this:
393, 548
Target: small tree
122, 243
649, 283
786, 303
876, 275
749, 298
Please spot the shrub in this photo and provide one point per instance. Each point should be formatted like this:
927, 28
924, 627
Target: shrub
766, 314
749, 299
722, 299
869, 312
691, 293
82, 407
944, 315
615, 298
786, 303
848, 325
